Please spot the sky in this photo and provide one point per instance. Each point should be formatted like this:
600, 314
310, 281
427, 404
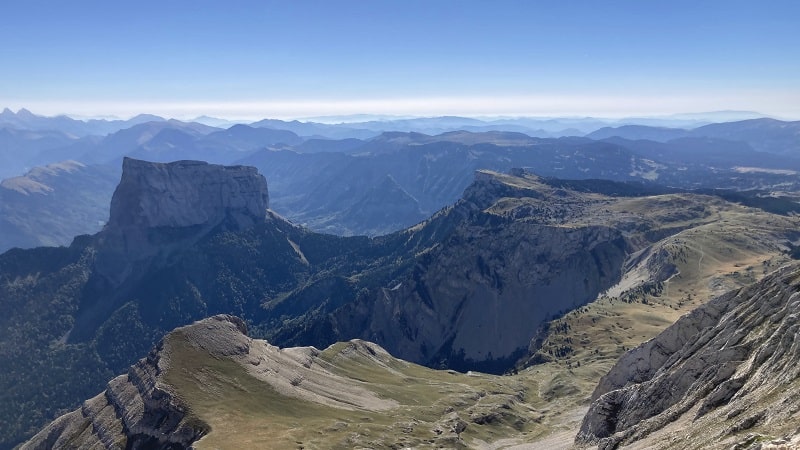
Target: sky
295, 58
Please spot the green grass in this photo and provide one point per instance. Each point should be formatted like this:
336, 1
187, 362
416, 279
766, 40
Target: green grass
245, 412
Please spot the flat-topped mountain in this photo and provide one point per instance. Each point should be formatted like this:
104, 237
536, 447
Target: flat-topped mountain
187, 193
158, 207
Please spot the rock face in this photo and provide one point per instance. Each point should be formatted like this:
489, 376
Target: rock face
160, 206
187, 193
138, 410
209, 385
727, 368
486, 274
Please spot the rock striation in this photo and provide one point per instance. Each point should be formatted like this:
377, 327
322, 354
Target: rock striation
160, 206
208, 385
723, 371
138, 410
187, 193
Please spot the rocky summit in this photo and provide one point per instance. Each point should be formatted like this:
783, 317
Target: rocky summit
160, 206
723, 376
187, 193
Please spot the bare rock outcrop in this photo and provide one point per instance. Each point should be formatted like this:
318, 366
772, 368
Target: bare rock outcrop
187, 193
727, 368
138, 410
148, 407
158, 207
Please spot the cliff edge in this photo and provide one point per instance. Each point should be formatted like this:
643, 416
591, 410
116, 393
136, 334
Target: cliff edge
158, 207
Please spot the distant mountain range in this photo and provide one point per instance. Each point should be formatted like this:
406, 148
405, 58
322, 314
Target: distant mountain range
366, 126
334, 185
24, 119
764, 135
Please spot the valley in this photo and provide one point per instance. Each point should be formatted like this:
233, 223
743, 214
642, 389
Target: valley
485, 285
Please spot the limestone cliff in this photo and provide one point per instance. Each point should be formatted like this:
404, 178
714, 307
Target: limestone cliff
485, 274
723, 372
159, 207
138, 410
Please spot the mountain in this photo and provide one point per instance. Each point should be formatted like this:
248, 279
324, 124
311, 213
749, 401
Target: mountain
515, 243
313, 129
436, 169
762, 134
765, 135
51, 205
329, 145
321, 190
25, 120
639, 132
386, 206
725, 375
248, 138
111, 148
19, 148
703, 153
208, 385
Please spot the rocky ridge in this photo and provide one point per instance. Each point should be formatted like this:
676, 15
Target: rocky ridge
205, 385
137, 410
723, 375
488, 271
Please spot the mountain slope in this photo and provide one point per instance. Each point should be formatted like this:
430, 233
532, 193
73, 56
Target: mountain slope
19, 148
210, 386
52, 204
504, 259
721, 373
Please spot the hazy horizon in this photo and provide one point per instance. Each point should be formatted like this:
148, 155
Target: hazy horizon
701, 116
291, 60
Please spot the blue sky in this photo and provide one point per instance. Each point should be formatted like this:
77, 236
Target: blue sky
307, 58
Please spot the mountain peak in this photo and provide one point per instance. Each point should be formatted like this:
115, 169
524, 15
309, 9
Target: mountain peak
187, 199
24, 113
187, 193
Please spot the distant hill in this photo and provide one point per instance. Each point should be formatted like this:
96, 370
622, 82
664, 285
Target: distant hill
26, 120
20, 148
50, 205
637, 132
764, 134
